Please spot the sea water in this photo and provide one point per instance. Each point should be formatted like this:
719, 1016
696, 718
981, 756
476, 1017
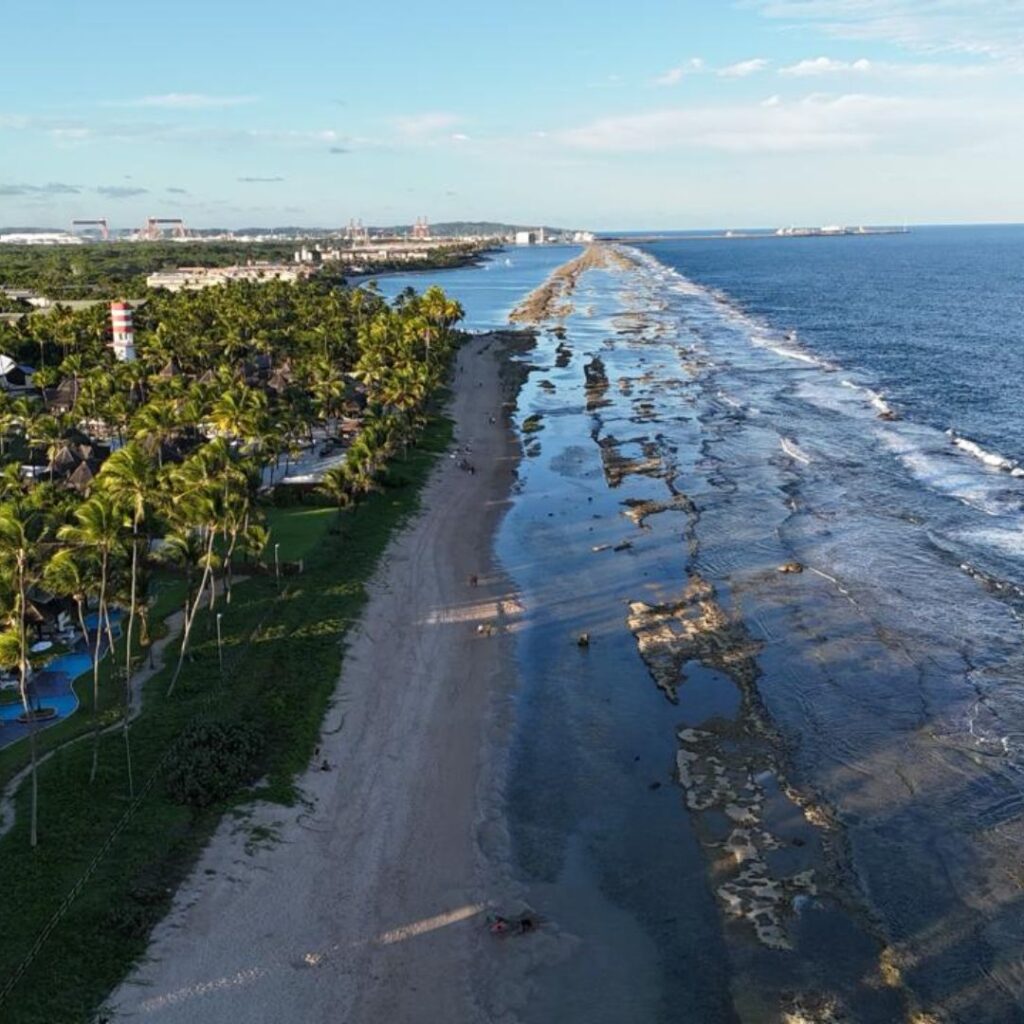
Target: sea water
850, 404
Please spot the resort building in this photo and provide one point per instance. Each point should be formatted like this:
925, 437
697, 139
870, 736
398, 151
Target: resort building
196, 278
15, 376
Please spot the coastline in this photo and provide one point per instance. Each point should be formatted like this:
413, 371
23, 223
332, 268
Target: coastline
376, 874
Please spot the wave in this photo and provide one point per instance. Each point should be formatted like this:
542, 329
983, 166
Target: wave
993, 459
730, 401
794, 451
919, 450
875, 399
1006, 542
791, 353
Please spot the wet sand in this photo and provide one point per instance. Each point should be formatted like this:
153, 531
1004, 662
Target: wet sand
832, 838
366, 902
552, 300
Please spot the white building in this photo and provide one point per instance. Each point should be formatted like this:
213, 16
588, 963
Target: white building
40, 238
123, 330
196, 278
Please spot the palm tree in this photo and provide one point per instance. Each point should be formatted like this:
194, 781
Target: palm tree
72, 573
98, 530
337, 485
155, 424
8, 419
198, 490
47, 431
11, 483
18, 559
128, 477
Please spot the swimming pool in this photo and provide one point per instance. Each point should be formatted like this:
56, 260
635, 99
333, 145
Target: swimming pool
72, 665
93, 618
51, 688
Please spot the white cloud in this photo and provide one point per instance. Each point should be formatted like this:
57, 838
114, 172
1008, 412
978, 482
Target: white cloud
818, 66
815, 123
189, 101
744, 68
459, 137
992, 28
70, 134
675, 75
418, 127
825, 66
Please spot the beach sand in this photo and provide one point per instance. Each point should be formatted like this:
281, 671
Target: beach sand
367, 903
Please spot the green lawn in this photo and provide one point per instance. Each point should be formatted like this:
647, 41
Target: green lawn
169, 595
283, 652
298, 530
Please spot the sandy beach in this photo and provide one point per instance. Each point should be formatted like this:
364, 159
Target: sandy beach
366, 901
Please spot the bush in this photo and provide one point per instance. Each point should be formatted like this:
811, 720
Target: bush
211, 761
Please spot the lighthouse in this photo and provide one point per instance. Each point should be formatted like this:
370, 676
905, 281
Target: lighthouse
124, 334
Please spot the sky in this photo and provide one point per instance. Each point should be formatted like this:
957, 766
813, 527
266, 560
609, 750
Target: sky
660, 114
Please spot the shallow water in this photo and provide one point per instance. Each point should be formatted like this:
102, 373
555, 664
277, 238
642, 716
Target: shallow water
881, 746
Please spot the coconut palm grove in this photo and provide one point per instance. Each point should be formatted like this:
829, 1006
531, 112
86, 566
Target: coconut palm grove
158, 526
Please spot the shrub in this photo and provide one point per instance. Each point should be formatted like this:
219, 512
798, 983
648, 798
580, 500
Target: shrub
211, 761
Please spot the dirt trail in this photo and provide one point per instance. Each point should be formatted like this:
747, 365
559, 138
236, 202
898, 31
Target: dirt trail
365, 905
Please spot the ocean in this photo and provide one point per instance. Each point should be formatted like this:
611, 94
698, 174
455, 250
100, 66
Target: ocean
845, 407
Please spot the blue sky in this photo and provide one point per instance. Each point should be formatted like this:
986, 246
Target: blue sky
690, 113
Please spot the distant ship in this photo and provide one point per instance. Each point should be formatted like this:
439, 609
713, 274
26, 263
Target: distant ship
836, 229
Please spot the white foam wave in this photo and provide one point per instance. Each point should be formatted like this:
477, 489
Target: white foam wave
794, 451
791, 353
993, 459
943, 471
1007, 542
875, 399
786, 348
879, 403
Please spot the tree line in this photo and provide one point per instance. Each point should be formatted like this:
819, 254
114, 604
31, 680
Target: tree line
228, 383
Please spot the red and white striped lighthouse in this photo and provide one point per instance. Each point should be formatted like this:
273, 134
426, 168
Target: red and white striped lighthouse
124, 333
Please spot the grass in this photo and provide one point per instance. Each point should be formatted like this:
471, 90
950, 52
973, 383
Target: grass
283, 653
299, 530
169, 593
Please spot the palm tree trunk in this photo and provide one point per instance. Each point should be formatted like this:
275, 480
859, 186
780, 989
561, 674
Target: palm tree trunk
128, 656
227, 567
29, 713
96, 667
190, 613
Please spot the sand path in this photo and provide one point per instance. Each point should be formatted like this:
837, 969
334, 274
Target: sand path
367, 905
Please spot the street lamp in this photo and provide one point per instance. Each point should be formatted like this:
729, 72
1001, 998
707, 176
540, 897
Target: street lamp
277, 564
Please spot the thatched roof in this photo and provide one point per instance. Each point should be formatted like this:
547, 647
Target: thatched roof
65, 460
81, 479
64, 395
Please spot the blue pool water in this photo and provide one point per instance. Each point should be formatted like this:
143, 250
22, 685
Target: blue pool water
92, 618
72, 665
52, 688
